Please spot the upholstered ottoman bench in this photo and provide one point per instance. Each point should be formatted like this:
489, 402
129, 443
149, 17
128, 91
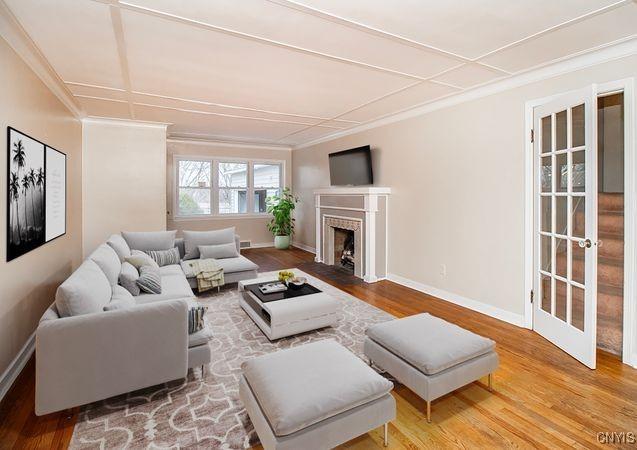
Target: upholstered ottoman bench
315, 396
430, 356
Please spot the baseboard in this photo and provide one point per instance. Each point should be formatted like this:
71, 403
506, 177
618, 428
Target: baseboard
307, 248
11, 373
492, 311
261, 245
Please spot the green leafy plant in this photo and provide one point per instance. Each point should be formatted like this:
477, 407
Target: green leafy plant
281, 207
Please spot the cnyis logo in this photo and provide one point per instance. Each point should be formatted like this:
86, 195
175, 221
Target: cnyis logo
616, 437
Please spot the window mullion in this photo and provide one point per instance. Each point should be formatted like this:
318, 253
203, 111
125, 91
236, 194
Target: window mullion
250, 189
215, 187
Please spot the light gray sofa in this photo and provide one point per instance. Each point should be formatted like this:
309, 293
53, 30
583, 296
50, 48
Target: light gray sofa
234, 269
85, 353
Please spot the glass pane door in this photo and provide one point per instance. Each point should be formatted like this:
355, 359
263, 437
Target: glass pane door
565, 250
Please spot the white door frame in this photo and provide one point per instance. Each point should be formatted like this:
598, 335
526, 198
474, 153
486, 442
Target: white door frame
627, 85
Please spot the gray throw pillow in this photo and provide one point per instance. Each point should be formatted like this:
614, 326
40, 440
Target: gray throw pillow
150, 240
128, 278
165, 257
149, 280
139, 258
220, 251
193, 239
121, 299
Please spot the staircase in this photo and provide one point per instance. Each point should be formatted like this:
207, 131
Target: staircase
610, 272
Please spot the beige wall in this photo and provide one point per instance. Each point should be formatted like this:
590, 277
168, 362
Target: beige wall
124, 179
457, 179
28, 283
249, 228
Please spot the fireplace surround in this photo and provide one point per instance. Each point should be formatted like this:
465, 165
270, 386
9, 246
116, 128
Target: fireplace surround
362, 210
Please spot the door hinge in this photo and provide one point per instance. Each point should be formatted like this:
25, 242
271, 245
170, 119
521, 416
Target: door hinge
532, 135
531, 295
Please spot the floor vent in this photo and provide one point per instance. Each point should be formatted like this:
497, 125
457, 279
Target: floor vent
245, 244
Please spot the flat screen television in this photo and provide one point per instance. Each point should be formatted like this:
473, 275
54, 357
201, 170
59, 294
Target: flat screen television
351, 167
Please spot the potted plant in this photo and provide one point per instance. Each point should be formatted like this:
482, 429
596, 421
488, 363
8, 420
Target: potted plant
282, 223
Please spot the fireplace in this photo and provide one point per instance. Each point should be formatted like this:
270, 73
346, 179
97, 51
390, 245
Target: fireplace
344, 249
351, 229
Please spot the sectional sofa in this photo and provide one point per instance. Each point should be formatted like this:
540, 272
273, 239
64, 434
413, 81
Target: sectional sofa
97, 340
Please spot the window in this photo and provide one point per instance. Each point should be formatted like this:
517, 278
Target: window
267, 182
194, 191
209, 187
233, 187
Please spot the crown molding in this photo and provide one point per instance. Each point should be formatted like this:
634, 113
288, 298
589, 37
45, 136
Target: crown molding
232, 143
23, 45
606, 53
125, 122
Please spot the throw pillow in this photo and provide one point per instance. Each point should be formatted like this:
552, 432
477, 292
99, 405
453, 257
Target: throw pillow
196, 318
218, 251
117, 243
128, 278
139, 258
193, 239
149, 280
165, 257
150, 240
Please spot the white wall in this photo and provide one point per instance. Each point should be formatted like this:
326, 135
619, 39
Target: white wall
124, 179
457, 179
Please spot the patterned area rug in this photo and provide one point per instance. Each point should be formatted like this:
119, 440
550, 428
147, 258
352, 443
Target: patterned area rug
206, 412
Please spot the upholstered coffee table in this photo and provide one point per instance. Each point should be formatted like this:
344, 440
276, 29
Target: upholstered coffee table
287, 313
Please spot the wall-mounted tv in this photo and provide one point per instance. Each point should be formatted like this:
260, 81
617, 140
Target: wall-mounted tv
351, 167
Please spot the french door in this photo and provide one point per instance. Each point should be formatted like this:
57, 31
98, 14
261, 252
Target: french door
565, 213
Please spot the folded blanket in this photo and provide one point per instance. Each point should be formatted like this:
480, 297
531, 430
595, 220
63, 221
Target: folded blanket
208, 272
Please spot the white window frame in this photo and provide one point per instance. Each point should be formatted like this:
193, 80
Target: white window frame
214, 186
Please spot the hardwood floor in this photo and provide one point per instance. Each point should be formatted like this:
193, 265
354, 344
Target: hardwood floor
543, 398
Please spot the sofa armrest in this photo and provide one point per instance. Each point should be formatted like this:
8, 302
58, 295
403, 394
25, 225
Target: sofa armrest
91, 357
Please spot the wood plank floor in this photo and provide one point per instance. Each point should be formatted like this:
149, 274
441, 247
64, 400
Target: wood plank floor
543, 398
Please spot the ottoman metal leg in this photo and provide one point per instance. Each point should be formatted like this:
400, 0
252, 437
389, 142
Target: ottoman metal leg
490, 382
428, 411
385, 436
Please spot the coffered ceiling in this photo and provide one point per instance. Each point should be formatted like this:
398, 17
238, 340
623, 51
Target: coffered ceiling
288, 72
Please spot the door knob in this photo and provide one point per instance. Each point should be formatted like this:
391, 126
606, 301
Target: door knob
585, 243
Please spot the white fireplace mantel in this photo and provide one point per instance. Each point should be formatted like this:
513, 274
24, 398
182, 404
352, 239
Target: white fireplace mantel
369, 206
353, 190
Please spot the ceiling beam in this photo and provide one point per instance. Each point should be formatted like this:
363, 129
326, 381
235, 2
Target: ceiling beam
254, 38
118, 29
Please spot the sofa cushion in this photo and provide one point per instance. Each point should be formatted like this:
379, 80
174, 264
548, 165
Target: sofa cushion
121, 299
106, 258
165, 257
149, 280
219, 251
172, 287
118, 243
171, 269
201, 337
150, 240
128, 278
428, 343
86, 291
229, 265
139, 258
193, 239
338, 381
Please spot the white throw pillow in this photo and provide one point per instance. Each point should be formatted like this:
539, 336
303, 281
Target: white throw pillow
220, 251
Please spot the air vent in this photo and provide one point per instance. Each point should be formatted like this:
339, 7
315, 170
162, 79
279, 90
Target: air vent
245, 244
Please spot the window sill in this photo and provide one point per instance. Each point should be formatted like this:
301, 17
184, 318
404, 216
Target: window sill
219, 217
